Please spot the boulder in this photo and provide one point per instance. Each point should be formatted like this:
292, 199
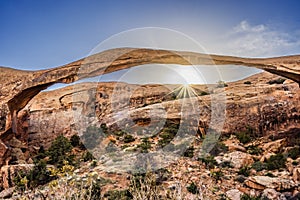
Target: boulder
270, 193
237, 159
263, 182
296, 174
7, 193
234, 194
274, 146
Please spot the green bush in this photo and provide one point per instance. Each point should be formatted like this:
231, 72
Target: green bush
219, 148
276, 81
245, 171
217, 175
88, 156
259, 166
39, 175
192, 188
276, 162
189, 152
58, 151
145, 145
209, 161
243, 137
128, 138
104, 128
294, 153
269, 174
203, 93
75, 141
247, 135
254, 150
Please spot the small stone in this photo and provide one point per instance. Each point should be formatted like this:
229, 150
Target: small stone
7, 193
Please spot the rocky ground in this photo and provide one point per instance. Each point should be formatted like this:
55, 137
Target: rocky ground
256, 157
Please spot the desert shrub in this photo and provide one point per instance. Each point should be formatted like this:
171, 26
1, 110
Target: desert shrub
209, 161
118, 194
119, 133
259, 166
269, 174
294, 153
168, 133
143, 186
240, 178
276, 162
217, 175
295, 163
247, 135
219, 148
203, 93
247, 82
21, 181
192, 188
225, 164
145, 145
276, 81
128, 138
104, 128
245, 171
75, 140
189, 152
243, 137
254, 150
95, 192
41, 153
87, 156
39, 175
58, 151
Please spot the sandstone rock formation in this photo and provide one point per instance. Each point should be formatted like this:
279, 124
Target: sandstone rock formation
19, 87
52, 113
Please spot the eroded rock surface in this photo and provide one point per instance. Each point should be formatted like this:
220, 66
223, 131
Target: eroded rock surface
19, 87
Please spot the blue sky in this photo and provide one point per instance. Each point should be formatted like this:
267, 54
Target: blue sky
42, 34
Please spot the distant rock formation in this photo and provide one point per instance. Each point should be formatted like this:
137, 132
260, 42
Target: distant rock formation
19, 87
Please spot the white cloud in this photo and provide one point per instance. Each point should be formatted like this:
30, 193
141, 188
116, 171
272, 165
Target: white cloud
257, 41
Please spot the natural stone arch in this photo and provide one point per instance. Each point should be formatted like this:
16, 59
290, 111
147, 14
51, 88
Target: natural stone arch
19, 87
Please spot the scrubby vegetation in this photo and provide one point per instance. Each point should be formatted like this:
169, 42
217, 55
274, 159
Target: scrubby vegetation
60, 151
254, 150
192, 188
245, 171
218, 148
209, 161
247, 135
274, 162
294, 153
276, 81
189, 152
58, 155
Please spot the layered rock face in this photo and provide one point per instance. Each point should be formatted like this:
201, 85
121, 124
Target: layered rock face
19, 87
268, 109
